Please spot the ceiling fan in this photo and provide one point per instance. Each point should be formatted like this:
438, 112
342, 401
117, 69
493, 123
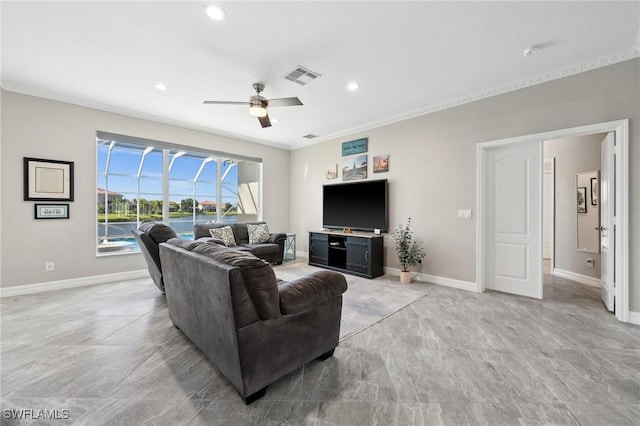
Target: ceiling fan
258, 104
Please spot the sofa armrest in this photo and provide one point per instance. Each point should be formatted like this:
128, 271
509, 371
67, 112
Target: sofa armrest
307, 292
276, 237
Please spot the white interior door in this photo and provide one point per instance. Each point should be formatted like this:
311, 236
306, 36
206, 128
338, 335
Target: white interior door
606, 200
513, 198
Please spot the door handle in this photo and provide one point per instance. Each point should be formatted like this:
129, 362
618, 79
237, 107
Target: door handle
600, 228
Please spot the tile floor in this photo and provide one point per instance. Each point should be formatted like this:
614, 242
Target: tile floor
109, 355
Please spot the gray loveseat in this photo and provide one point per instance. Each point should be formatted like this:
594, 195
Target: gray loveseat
272, 250
229, 303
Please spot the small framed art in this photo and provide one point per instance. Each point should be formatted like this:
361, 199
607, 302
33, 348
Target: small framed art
51, 211
354, 168
380, 163
594, 191
331, 172
582, 199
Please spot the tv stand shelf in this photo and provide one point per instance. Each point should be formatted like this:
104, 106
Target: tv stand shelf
357, 253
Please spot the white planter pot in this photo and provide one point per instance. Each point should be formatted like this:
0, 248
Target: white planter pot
405, 277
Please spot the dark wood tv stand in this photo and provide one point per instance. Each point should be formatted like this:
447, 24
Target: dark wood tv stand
357, 253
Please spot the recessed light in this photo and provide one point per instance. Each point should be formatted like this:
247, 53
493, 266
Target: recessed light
160, 86
215, 12
353, 86
531, 50
274, 120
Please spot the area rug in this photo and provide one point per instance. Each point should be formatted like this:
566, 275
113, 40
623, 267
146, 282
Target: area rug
365, 302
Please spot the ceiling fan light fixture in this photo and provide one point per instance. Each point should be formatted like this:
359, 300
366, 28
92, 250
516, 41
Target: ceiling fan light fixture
215, 12
258, 111
257, 106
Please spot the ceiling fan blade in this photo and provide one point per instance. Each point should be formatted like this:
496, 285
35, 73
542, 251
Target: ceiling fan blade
264, 121
226, 102
284, 102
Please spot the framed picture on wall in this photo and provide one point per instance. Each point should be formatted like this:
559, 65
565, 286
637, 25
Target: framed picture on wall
380, 163
582, 199
331, 172
51, 211
354, 168
47, 180
594, 191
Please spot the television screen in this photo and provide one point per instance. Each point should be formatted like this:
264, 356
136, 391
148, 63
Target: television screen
361, 206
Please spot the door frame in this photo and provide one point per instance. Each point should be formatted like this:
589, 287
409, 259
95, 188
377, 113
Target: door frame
552, 160
621, 221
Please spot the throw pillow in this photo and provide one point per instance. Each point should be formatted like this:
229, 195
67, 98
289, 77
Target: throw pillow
258, 233
224, 233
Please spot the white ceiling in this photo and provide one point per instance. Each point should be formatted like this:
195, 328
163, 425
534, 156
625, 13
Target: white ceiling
409, 58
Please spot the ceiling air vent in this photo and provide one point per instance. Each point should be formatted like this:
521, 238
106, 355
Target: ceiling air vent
301, 75
310, 136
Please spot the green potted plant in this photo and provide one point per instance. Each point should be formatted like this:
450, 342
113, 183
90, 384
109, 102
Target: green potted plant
409, 251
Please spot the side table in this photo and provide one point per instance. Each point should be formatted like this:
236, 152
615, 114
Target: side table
290, 247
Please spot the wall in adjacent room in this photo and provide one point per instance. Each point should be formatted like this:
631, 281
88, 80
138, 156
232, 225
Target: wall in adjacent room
41, 128
573, 155
432, 162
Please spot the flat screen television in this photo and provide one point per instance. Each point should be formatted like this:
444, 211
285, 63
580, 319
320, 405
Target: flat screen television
361, 206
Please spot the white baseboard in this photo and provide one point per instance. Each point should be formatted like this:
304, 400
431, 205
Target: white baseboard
582, 279
434, 279
303, 254
634, 317
19, 290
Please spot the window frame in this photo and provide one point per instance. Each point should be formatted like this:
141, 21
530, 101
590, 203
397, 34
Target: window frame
169, 152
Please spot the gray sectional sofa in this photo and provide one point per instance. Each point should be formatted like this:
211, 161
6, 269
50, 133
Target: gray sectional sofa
229, 303
271, 250
149, 235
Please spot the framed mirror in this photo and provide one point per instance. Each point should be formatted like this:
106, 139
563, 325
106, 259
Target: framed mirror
588, 211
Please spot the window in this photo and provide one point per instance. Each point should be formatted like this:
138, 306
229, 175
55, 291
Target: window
140, 179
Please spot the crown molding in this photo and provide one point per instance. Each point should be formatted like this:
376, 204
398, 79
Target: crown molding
135, 114
603, 61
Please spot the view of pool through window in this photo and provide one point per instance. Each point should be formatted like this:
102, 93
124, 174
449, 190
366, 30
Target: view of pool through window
131, 188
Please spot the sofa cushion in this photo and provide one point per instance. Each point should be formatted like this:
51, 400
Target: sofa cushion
242, 235
258, 233
259, 278
158, 232
185, 244
224, 233
261, 250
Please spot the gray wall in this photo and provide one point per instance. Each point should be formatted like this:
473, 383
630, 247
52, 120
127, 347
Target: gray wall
36, 127
432, 169
573, 155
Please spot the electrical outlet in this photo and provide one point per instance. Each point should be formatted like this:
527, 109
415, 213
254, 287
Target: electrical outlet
464, 214
50, 266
